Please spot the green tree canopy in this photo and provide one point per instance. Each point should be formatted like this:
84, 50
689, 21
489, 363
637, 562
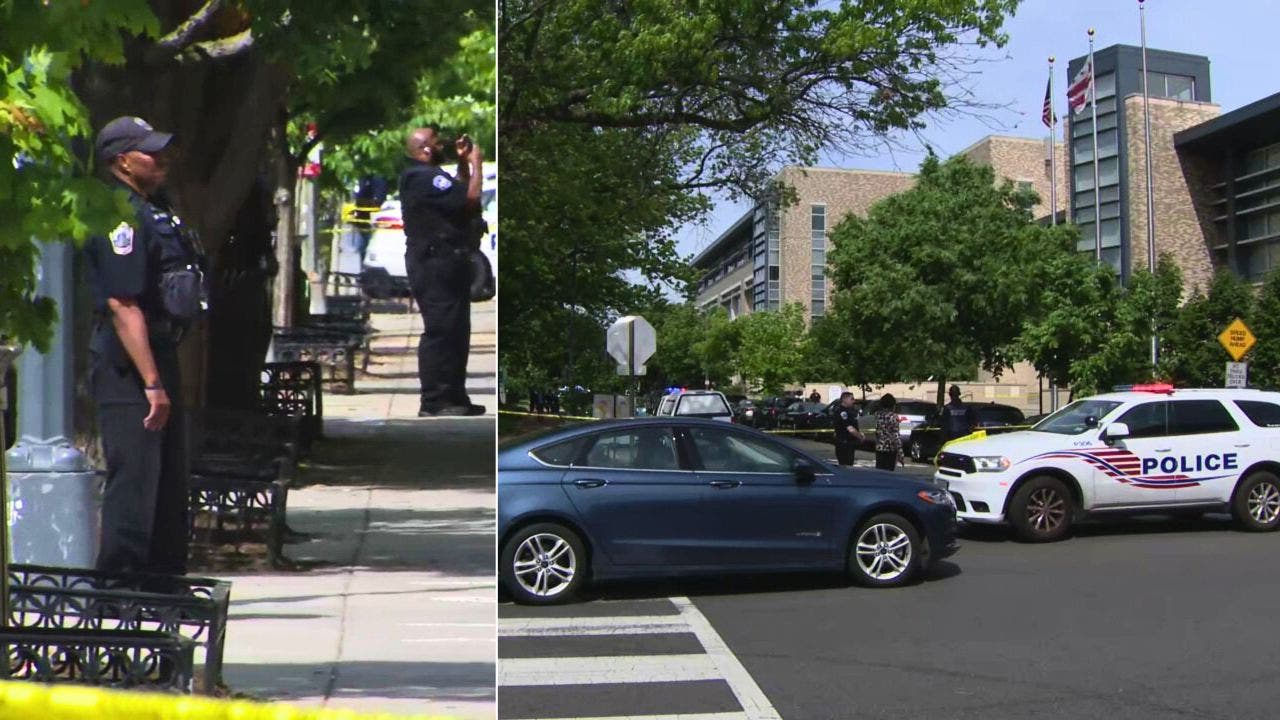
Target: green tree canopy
946, 269
771, 348
1264, 359
617, 117
1190, 353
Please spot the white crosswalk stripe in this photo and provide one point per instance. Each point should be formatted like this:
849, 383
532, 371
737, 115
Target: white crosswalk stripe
715, 663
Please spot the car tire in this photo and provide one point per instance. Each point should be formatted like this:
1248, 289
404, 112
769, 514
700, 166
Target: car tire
1042, 510
1256, 502
885, 552
543, 564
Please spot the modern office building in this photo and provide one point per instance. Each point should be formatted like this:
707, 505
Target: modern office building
1232, 164
775, 256
1180, 94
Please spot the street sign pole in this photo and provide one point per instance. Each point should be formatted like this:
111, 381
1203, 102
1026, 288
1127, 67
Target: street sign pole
631, 367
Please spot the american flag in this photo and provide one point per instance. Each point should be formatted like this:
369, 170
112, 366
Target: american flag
1047, 114
1081, 90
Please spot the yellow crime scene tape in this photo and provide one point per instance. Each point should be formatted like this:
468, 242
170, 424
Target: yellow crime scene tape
36, 701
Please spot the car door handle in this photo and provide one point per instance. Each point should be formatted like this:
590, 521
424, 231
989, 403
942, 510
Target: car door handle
1163, 449
1242, 445
590, 483
725, 484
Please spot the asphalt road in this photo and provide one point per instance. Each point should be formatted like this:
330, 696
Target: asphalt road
1147, 618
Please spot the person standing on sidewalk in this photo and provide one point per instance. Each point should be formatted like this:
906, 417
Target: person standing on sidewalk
888, 441
439, 211
148, 287
846, 428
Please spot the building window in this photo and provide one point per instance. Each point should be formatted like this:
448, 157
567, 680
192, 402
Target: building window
818, 260
1174, 87
766, 291
1260, 160
1258, 259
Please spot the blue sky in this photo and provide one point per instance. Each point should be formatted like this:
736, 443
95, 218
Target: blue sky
1238, 37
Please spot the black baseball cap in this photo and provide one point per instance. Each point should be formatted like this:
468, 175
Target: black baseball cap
129, 133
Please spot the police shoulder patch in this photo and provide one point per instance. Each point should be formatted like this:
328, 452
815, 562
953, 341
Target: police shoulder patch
442, 182
122, 239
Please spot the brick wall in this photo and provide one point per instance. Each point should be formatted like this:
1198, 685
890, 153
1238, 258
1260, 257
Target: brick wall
843, 192
1183, 228
1023, 159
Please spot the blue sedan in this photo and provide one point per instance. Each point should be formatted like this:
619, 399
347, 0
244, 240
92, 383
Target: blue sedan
682, 496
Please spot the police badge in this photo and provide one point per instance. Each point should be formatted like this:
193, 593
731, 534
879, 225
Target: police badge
122, 239
442, 182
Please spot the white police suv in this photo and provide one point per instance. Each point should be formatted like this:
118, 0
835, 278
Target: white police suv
1152, 448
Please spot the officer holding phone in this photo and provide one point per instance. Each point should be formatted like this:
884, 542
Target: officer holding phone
148, 287
439, 213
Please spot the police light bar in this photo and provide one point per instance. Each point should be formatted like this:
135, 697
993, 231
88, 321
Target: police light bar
1162, 388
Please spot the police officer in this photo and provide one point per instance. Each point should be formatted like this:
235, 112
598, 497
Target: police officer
439, 213
846, 428
958, 419
148, 288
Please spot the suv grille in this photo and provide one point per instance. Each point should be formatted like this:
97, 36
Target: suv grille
963, 463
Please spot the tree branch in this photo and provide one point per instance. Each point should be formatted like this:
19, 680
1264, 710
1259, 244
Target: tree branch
226, 47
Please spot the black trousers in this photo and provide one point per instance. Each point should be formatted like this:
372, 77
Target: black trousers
440, 281
844, 451
886, 459
144, 504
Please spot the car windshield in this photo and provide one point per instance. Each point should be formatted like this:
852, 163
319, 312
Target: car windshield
808, 407
915, 407
702, 405
1073, 419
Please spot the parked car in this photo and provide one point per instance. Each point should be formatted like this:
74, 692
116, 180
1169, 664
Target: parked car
926, 438
770, 410
696, 403
806, 416
679, 496
910, 414
1152, 449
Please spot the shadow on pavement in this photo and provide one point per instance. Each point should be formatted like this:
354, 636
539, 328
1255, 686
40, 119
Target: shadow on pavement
429, 455
439, 682
1108, 527
456, 542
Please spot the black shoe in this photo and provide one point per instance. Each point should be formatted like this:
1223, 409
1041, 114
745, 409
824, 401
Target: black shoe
452, 411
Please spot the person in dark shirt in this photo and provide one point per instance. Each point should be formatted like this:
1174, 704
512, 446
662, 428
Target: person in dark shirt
815, 397
846, 429
148, 288
439, 213
958, 419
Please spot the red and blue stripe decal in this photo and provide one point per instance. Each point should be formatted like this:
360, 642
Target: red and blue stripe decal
1125, 467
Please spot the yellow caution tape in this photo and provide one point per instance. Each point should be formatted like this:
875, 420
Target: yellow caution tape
547, 416
32, 701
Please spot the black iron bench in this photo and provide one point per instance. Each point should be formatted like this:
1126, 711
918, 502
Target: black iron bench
333, 350
87, 600
112, 658
292, 391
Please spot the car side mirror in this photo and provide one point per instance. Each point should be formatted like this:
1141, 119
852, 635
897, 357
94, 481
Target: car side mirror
1115, 431
803, 471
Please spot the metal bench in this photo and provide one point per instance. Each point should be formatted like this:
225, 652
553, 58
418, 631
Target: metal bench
239, 509
333, 350
293, 390
87, 600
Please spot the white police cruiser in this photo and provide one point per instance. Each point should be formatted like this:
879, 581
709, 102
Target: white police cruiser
1149, 449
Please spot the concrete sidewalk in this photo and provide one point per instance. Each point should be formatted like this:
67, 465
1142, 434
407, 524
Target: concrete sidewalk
397, 609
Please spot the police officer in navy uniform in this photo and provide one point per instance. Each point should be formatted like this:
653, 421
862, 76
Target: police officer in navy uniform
958, 419
148, 287
439, 224
846, 429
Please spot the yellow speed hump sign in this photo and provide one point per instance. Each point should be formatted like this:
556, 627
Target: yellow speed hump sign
1237, 339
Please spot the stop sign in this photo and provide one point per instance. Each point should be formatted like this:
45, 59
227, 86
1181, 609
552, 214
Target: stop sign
631, 341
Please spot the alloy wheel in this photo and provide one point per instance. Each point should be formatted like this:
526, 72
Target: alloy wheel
883, 551
1264, 503
1046, 509
544, 565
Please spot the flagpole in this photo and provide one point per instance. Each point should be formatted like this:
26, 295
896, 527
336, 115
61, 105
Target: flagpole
1053, 154
1151, 201
1097, 192
1053, 200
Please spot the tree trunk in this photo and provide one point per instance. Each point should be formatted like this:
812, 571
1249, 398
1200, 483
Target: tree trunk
942, 392
221, 113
